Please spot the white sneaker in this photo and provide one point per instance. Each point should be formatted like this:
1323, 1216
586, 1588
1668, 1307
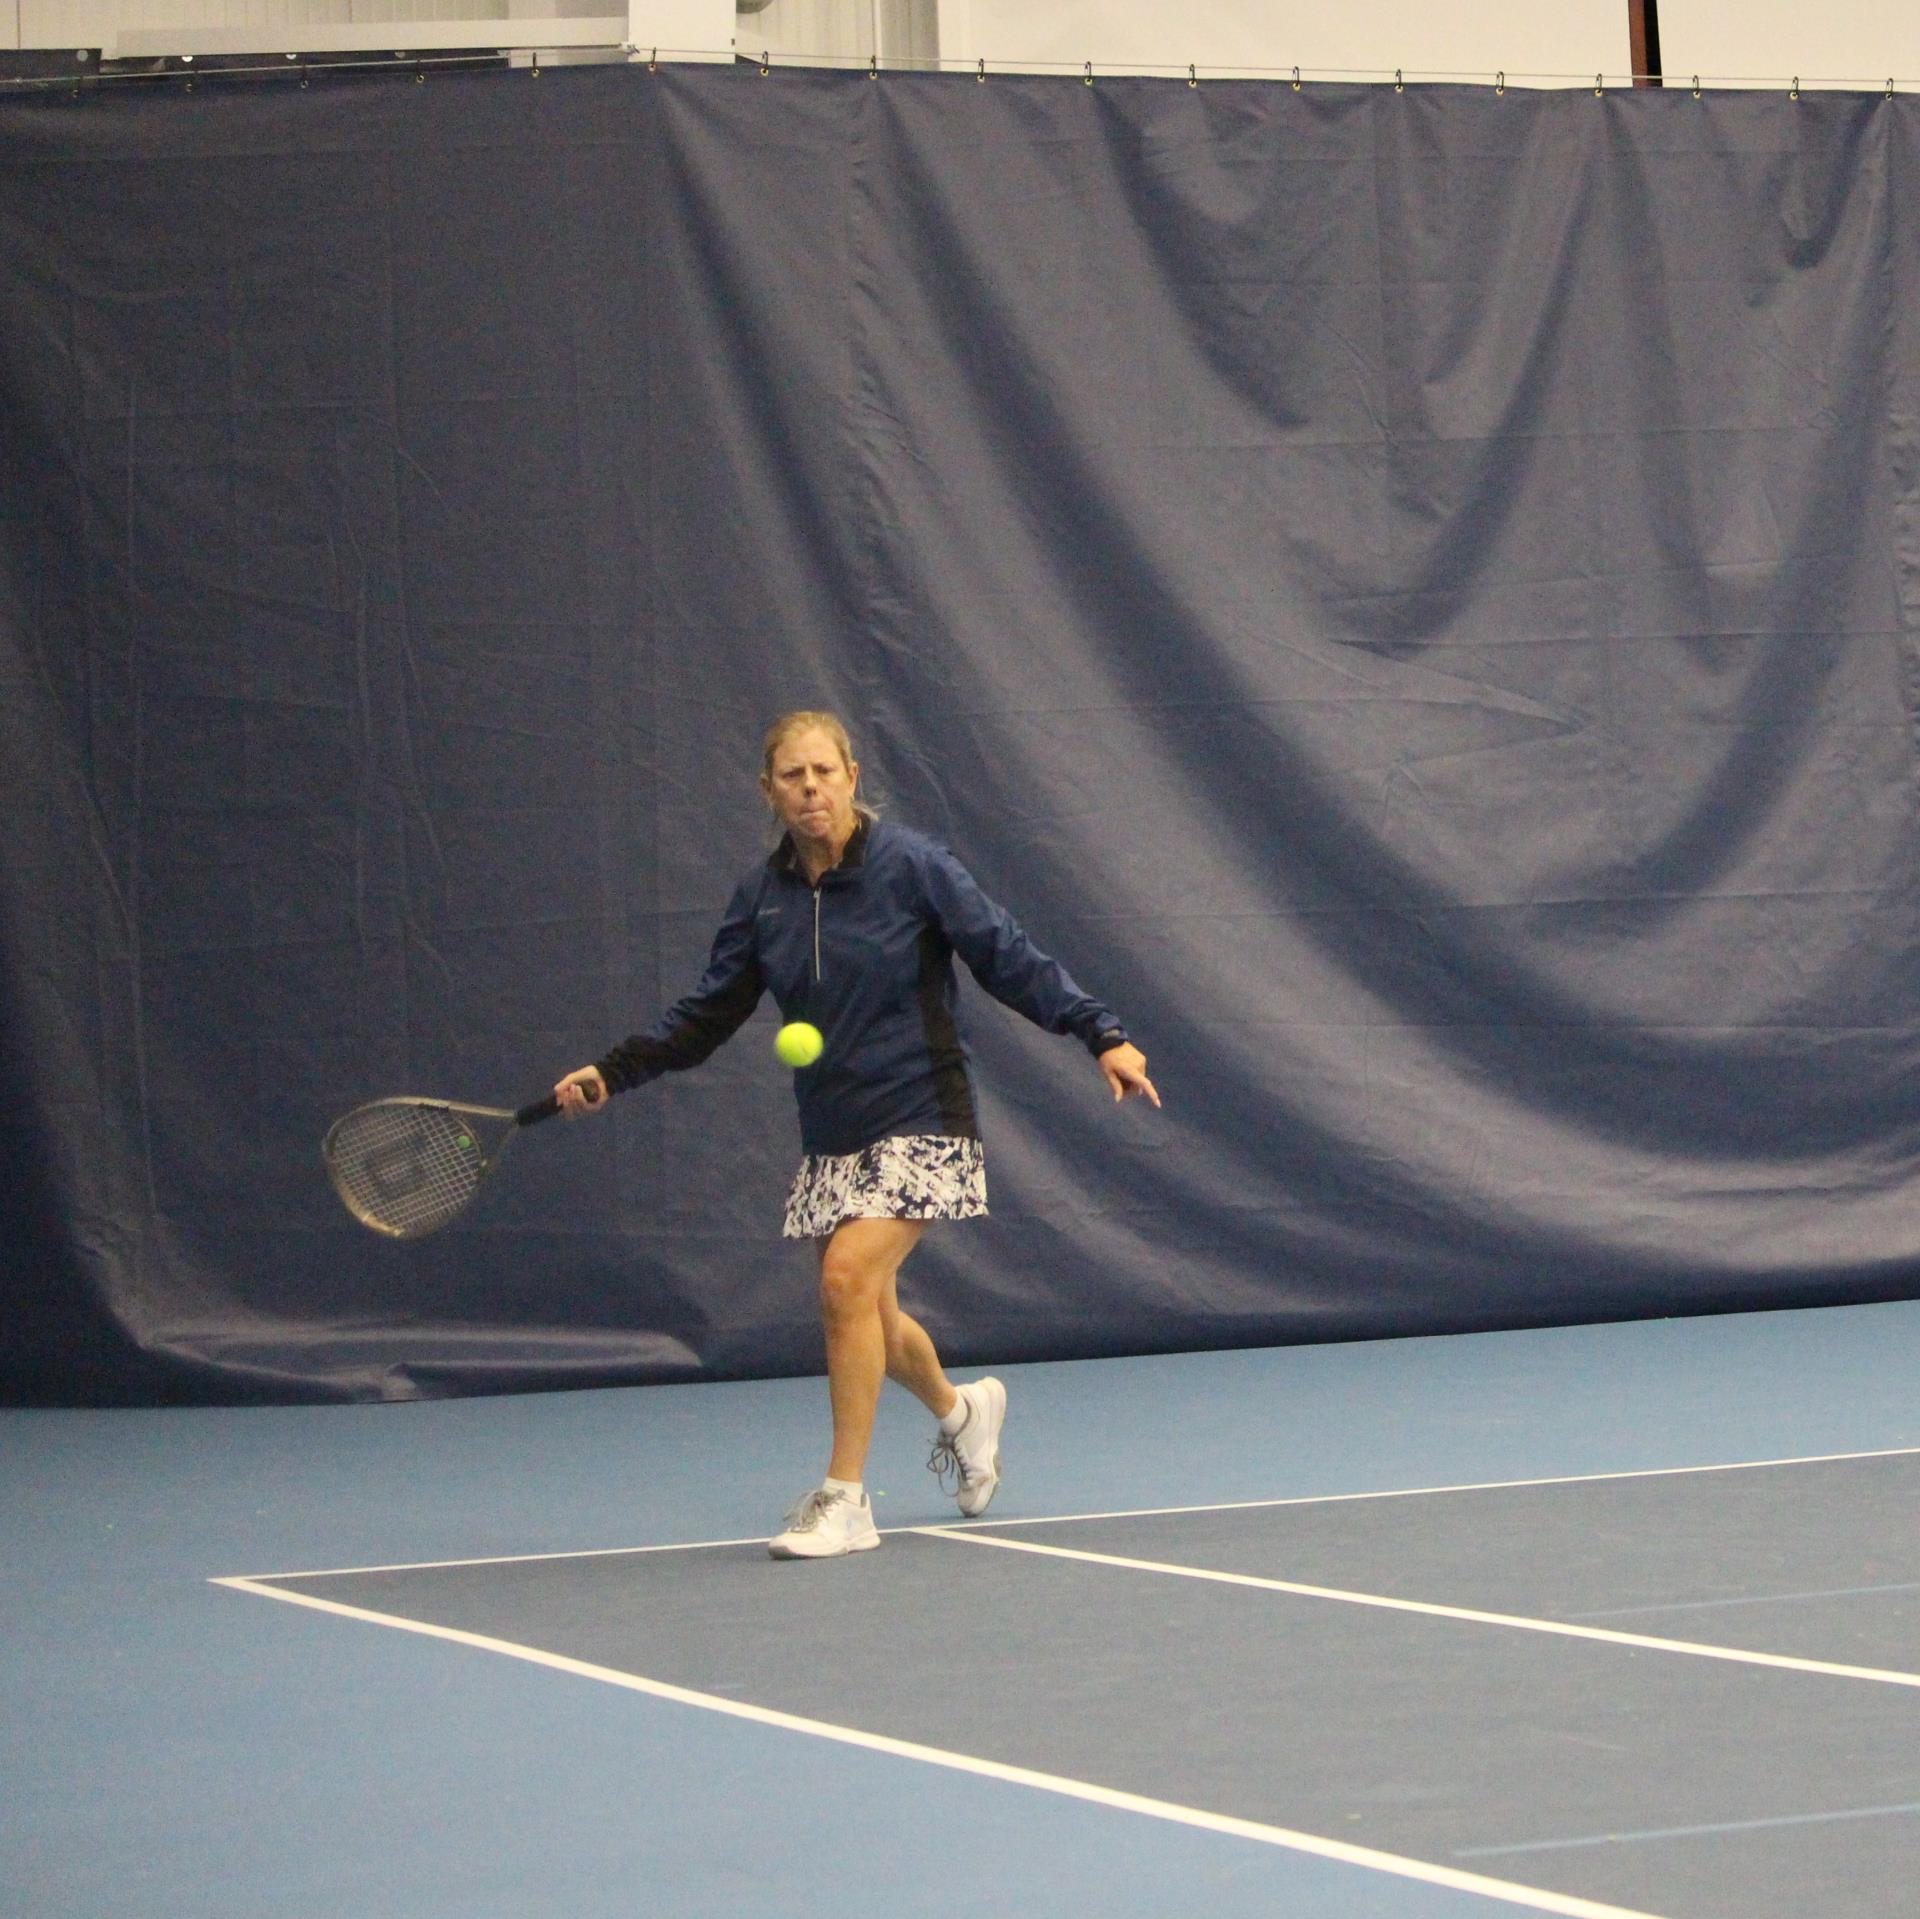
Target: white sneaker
972, 1455
826, 1524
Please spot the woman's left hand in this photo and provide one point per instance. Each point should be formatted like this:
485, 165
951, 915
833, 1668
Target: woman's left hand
1125, 1068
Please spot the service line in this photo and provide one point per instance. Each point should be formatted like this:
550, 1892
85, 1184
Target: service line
1532, 1898
1384, 1602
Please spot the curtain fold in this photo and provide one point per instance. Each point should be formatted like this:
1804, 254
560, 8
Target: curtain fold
1411, 595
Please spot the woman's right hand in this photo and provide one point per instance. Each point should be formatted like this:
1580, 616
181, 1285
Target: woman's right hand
582, 1091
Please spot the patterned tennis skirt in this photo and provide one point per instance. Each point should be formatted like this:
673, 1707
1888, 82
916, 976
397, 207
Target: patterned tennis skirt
915, 1176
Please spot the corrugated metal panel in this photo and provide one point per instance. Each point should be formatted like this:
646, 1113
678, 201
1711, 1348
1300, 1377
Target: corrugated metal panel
98, 23
829, 30
798, 29
837, 30
909, 30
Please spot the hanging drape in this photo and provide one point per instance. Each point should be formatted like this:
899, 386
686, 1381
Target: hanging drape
1411, 596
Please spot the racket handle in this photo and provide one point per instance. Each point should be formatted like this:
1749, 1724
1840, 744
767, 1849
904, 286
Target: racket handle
548, 1107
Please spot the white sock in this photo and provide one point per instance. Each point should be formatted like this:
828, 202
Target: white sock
853, 1488
955, 1419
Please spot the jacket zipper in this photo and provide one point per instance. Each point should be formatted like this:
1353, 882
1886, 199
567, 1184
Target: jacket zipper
816, 932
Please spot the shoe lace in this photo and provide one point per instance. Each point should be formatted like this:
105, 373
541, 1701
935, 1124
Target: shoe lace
945, 1463
948, 1464
807, 1513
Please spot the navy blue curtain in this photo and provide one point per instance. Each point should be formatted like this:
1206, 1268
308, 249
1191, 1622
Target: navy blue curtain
1410, 595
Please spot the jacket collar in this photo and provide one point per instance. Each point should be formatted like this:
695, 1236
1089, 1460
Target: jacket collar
783, 858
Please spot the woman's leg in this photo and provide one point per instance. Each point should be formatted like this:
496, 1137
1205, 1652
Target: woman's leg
858, 1264
911, 1359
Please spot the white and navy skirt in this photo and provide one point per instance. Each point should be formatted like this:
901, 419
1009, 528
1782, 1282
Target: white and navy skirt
914, 1176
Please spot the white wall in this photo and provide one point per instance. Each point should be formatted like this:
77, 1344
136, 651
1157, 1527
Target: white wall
1560, 42
900, 32
688, 27
1864, 42
1364, 39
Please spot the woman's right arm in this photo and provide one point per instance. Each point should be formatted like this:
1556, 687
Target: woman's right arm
690, 1029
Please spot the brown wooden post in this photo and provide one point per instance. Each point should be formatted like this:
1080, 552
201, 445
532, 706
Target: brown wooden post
1643, 34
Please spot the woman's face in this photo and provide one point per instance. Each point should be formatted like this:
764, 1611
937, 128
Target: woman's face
811, 788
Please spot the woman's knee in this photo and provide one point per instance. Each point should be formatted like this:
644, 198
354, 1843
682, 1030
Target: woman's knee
849, 1285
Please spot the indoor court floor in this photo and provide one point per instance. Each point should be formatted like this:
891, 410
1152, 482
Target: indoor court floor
1589, 1620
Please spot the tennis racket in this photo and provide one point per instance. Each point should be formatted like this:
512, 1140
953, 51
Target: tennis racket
405, 1167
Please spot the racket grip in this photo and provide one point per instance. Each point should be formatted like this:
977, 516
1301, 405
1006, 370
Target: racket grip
548, 1107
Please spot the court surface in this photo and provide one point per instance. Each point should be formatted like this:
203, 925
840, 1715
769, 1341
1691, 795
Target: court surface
1619, 1619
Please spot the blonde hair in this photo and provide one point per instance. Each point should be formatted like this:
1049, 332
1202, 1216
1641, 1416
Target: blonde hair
806, 721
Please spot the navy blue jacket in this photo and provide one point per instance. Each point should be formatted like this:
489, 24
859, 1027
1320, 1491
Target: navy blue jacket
866, 956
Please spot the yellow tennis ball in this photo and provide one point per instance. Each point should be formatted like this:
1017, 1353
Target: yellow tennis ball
798, 1044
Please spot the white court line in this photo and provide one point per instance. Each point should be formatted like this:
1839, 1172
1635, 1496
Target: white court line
1514, 1622
509, 1559
1752, 1599
1534, 1898
1694, 1832
1429, 1492
1135, 1512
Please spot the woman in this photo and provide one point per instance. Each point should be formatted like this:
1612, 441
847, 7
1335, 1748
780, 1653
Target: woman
852, 924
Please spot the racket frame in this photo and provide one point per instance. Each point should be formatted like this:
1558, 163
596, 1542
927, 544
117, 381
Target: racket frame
492, 1129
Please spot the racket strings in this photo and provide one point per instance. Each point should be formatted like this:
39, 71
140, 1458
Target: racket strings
406, 1169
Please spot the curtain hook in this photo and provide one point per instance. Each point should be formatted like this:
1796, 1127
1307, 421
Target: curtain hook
873, 66
1089, 73
981, 76
653, 63
1193, 79
766, 63
1399, 85
1793, 92
1500, 81
1599, 85
1296, 79
1696, 86
1889, 89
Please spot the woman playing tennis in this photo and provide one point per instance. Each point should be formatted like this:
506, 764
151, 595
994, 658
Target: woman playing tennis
853, 924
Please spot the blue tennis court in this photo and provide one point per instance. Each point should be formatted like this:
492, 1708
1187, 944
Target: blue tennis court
1603, 1619
1413, 1681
